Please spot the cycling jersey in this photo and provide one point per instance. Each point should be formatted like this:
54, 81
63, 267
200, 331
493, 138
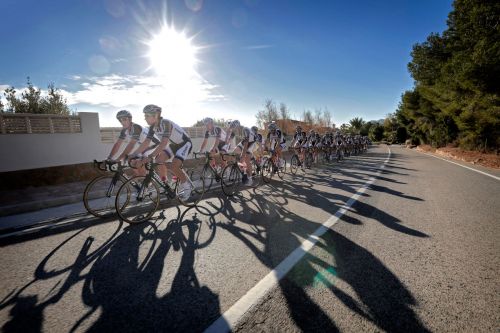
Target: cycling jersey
277, 135
179, 142
217, 132
133, 132
169, 129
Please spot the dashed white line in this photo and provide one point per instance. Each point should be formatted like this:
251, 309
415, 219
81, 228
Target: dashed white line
228, 321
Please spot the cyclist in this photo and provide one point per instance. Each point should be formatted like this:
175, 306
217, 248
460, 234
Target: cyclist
246, 148
298, 142
133, 134
220, 137
174, 142
130, 131
277, 141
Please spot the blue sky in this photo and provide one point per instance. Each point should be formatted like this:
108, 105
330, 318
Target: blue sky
349, 57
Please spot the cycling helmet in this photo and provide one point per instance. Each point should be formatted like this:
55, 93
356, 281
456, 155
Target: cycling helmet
208, 120
151, 108
254, 129
298, 128
234, 124
123, 114
272, 126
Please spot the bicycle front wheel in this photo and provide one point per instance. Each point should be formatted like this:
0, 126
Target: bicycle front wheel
137, 200
282, 168
197, 189
294, 164
230, 178
267, 170
99, 195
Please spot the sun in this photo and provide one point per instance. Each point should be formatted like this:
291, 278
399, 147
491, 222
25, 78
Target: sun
172, 54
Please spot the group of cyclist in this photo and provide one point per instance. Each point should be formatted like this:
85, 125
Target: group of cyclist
165, 140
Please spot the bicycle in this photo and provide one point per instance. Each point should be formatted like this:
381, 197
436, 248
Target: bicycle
139, 197
273, 165
234, 171
208, 172
100, 193
295, 162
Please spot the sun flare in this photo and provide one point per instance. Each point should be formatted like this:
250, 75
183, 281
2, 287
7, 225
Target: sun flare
172, 54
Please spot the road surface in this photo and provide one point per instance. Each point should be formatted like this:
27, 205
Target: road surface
412, 245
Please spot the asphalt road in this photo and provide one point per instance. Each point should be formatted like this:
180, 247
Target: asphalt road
418, 251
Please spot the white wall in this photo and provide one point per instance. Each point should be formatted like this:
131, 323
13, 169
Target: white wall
32, 151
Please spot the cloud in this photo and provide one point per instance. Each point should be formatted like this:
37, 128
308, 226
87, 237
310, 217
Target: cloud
258, 47
120, 91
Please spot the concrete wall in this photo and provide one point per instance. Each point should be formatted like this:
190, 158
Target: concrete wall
31, 151
34, 151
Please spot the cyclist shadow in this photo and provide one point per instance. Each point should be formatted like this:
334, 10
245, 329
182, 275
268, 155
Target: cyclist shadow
142, 279
126, 282
346, 261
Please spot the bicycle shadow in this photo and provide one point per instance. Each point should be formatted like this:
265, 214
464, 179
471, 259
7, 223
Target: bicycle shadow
125, 281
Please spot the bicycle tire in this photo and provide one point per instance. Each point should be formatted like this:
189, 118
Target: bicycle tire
267, 170
282, 169
308, 160
136, 210
294, 164
95, 193
230, 178
197, 191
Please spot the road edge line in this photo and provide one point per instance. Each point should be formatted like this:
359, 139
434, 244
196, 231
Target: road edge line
231, 317
463, 166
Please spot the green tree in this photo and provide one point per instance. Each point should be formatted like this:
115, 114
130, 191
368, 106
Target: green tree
456, 94
32, 101
376, 132
356, 124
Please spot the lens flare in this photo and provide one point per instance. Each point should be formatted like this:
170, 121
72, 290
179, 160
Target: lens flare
172, 54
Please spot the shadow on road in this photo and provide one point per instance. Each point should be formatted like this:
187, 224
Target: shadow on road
143, 278
123, 277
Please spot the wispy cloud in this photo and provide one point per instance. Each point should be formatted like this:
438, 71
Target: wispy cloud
258, 47
120, 91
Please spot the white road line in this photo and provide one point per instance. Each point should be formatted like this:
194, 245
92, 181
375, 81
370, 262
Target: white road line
228, 321
463, 166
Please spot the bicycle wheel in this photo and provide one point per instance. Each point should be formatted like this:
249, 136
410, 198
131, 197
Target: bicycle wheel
230, 179
256, 172
294, 164
267, 170
197, 190
282, 169
308, 160
99, 195
137, 200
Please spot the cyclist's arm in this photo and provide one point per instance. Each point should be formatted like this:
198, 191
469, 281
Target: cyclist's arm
163, 143
203, 144
144, 145
127, 149
216, 143
115, 148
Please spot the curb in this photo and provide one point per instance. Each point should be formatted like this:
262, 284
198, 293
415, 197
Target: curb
38, 205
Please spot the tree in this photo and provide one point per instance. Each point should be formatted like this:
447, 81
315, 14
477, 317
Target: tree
456, 93
376, 132
221, 122
307, 117
356, 124
54, 103
267, 115
32, 101
327, 118
284, 111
